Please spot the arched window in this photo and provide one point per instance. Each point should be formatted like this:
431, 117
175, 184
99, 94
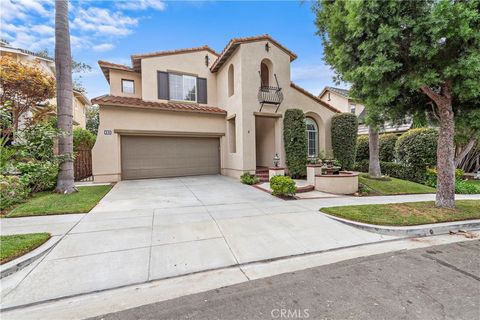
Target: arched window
312, 137
264, 74
231, 79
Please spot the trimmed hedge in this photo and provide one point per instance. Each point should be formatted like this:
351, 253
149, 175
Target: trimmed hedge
344, 139
417, 148
396, 170
295, 139
248, 178
283, 186
363, 148
387, 147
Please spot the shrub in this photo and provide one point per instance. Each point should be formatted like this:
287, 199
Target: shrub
83, 139
466, 187
295, 139
363, 148
39, 175
431, 176
344, 138
417, 148
248, 178
396, 170
282, 186
13, 190
38, 140
387, 147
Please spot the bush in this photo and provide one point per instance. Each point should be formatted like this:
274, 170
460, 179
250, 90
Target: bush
344, 139
396, 170
37, 141
40, 175
282, 186
466, 187
248, 178
13, 190
295, 139
387, 147
431, 176
417, 148
363, 148
83, 139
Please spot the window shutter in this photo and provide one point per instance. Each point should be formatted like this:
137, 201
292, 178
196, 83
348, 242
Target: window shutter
163, 87
202, 90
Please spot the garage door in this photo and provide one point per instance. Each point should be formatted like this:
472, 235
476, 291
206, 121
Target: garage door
156, 157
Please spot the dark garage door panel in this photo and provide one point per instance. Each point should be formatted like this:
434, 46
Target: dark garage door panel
156, 157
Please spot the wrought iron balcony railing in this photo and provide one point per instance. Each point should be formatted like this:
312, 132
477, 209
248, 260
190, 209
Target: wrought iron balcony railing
270, 95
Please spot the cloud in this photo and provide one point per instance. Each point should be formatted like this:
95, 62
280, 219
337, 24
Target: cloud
104, 21
314, 77
103, 47
141, 5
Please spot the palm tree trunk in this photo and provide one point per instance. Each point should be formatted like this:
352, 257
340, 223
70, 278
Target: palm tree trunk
374, 153
63, 65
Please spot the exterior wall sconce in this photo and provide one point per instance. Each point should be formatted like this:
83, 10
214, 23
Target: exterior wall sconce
276, 160
207, 60
267, 47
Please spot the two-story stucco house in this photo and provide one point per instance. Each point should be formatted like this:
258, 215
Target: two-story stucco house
80, 102
195, 111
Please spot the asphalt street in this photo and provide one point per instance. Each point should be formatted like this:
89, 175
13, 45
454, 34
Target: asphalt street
441, 282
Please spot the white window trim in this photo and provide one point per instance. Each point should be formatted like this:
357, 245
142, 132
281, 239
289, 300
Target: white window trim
312, 121
133, 86
183, 84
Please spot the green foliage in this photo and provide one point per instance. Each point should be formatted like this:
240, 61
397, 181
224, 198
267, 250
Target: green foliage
362, 148
387, 147
282, 186
15, 245
417, 148
37, 141
396, 170
83, 139
344, 139
248, 178
13, 190
93, 119
466, 187
41, 175
295, 139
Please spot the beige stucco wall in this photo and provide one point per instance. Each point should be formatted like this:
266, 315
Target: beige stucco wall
188, 63
106, 152
341, 103
116, 77
79, 112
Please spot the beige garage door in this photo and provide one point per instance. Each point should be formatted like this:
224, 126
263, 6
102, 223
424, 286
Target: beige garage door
156, 157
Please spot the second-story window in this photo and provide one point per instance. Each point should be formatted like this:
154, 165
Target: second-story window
182, 87
128, 86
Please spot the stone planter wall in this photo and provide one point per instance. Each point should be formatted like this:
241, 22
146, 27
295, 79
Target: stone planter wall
312, 171
345, 182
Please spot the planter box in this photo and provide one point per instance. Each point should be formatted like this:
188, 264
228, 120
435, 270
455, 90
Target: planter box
312, 171
275, 171
345, 182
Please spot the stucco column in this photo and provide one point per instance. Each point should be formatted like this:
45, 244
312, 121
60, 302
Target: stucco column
275, 171
312, 171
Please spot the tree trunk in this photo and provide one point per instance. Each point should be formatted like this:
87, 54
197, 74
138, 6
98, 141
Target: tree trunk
445, 197
63, 65
374, 153
463, 151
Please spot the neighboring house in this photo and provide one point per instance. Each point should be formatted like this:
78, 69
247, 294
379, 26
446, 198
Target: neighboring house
341, 100
195, 111
80, 101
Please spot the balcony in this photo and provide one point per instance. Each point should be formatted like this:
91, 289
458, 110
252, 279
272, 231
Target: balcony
270, 95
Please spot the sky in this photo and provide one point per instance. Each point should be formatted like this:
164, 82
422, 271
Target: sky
113, 30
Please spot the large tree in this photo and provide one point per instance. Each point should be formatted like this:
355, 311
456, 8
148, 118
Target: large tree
63, 65
393, 50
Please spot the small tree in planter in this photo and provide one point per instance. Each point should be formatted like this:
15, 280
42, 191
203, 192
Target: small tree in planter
344, 139
295, 139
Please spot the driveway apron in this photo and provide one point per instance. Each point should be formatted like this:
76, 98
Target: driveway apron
159, 228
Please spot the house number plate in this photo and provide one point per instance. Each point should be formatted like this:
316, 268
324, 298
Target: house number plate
107, 132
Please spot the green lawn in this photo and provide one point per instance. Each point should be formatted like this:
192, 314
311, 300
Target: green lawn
407, 214
46, 203
393, 186
14, 246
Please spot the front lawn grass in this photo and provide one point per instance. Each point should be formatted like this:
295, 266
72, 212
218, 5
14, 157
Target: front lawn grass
393, 186
47, 203
14, 246
407, 214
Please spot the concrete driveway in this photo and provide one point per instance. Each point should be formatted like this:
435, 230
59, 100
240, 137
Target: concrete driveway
153, 229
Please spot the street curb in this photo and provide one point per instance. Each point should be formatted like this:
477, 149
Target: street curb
21, 262
409, 231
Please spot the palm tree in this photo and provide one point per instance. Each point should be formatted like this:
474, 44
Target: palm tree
63, 66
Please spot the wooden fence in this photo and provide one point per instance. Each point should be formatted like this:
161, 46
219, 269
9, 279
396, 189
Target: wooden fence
82, 165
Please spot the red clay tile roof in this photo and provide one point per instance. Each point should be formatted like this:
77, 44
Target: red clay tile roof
312, 96
235, 42
137, 57
105, 66
110, 100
